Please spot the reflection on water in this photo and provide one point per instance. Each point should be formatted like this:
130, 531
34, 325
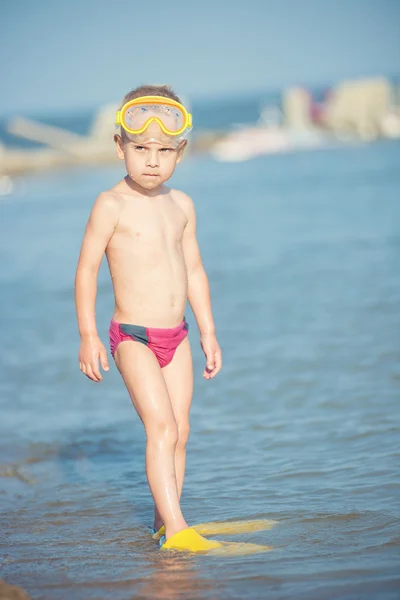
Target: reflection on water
301, 426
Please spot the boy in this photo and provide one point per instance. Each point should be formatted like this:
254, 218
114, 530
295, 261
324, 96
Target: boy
148, 233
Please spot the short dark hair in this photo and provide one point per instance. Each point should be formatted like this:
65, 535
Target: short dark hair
150, 90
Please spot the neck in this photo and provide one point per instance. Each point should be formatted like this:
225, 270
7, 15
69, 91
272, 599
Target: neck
138, 189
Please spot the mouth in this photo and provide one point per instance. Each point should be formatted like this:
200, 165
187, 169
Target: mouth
150, 174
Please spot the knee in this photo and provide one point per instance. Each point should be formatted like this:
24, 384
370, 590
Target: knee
163, 432
183, 435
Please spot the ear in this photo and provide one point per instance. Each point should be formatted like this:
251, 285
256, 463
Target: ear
181, 149
119, 146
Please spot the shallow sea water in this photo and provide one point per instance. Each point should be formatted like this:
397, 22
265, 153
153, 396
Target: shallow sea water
301, 426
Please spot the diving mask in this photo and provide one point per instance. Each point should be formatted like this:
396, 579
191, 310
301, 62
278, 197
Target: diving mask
137, 114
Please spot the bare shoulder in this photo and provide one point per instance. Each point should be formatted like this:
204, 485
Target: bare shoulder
108, 201
184, 201
106, 210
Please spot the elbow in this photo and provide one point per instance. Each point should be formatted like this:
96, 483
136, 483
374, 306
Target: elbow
85, 273
195, 271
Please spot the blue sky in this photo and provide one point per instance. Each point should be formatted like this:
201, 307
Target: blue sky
57, 56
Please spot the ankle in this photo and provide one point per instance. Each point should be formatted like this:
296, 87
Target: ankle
175, 527
157, 524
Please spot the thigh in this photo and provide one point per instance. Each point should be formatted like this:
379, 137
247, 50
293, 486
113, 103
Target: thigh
178, 376
145, 383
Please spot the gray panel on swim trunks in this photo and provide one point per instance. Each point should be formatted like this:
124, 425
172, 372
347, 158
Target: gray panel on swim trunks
137, 332
186, 325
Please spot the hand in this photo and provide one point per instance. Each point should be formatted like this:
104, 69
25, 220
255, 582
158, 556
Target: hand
90, 351
213, 355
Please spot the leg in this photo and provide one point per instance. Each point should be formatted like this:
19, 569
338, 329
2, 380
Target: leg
178, 376
146, 386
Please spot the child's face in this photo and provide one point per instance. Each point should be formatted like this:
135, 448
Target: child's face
150, 158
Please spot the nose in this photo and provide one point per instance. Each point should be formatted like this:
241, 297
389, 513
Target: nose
152, 158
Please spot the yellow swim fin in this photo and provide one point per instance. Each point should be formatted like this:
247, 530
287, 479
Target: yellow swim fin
190, 541
226, 527
234, 527
239, 549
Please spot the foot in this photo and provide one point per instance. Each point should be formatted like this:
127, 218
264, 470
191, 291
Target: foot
175, 527
157, 524
188, 539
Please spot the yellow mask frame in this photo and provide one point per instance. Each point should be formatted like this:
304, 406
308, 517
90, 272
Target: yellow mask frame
153, 100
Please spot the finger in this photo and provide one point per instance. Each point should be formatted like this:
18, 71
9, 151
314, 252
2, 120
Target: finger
89, 373
83, 368
104, 360
218, 363
94, 363
207, 373
210, 362
213, 373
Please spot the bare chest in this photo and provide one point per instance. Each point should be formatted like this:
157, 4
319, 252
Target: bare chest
151, 226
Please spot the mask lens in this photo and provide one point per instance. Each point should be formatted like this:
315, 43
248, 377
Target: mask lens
137, 116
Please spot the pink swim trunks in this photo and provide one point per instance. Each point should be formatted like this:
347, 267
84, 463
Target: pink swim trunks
163, 342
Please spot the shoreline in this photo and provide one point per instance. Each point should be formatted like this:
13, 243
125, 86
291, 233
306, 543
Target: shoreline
88, 151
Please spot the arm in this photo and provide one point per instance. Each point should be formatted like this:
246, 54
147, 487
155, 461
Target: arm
199, 295
101, 225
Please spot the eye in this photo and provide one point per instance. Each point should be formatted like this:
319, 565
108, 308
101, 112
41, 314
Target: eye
139, 148
166, 150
